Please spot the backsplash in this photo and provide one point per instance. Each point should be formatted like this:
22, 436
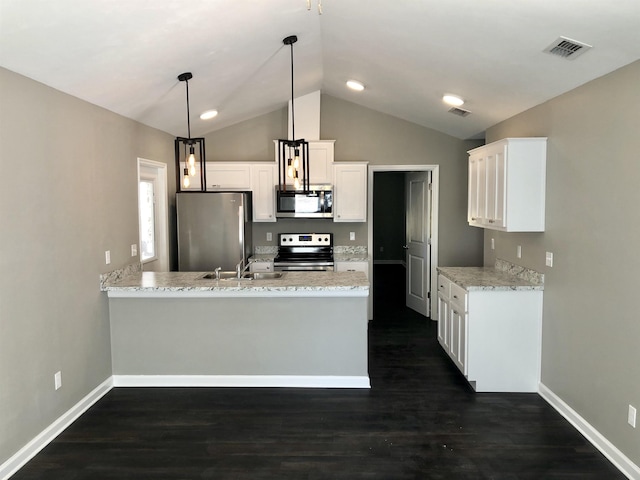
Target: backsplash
350, 250
108, 278
520, 272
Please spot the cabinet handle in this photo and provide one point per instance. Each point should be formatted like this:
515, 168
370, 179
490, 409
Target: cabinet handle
492, 221
455, 296
456, 312
473, 219
441, 286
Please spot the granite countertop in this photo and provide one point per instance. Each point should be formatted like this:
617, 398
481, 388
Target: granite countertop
493, 278
291, 284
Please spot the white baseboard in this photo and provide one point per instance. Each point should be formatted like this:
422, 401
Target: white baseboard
26, 453
295, 381
608, 449
388, 262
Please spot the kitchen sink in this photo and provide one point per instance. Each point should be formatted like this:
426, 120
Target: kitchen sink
265, 275
231, 276
224, 275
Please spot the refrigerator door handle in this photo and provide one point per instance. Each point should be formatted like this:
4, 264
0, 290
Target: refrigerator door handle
241, 232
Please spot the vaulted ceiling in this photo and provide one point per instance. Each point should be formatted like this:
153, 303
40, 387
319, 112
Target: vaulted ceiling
125, 55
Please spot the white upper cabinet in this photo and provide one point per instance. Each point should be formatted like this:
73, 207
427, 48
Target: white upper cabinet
507, 185
228, 176
350, 192
263, 182
320, 161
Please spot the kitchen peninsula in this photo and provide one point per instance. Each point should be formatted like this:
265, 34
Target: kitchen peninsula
305, 329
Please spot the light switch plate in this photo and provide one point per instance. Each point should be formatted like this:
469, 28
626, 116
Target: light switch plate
549, 259
352, 236
632, 416
269, 236
519, 251
134, 249
107, 257
493, 244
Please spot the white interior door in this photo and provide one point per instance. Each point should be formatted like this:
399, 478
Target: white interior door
418, 241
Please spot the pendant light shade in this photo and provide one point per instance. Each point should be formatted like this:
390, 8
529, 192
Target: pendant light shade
189, 152
293, 155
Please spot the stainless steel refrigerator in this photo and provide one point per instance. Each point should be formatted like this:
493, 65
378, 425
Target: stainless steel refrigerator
214, 230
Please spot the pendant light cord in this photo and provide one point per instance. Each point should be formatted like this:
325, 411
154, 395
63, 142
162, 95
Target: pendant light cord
293, 119
188, 113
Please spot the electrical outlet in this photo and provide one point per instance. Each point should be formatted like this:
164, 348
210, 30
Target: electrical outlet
269, 236
632, 416
493, 244
352, 236
549, 259
519, 251
57, 380
107, 257
134, 250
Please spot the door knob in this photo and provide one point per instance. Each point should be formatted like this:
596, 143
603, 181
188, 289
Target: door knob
406, 247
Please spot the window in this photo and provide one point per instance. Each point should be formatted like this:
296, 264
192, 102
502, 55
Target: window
146, 210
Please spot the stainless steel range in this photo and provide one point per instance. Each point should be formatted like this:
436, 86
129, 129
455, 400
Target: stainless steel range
304, 252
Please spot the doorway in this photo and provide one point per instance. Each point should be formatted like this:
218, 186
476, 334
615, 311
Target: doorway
397, 233
153, 247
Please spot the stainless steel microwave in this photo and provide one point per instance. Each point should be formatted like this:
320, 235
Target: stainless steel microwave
317, 202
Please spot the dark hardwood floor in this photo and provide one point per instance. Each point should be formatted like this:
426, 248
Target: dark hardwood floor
420, 420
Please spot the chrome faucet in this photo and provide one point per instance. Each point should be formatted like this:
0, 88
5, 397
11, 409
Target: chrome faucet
240, 269
217, 272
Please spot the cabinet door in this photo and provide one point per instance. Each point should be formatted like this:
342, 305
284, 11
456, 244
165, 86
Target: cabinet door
443, 321
477, 202
495, 180
263, 181
228, 176
261, 267
350, 192
352, 267
459, 337
321, 162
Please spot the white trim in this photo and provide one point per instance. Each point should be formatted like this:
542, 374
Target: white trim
162, 209
435, 195
608, 449
294, 381
26, 453
231, 293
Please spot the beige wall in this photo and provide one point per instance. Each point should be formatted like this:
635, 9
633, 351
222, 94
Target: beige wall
380, 139
69, 193
591, 325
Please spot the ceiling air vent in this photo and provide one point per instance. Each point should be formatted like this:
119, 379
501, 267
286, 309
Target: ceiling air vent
459, 111
566, 48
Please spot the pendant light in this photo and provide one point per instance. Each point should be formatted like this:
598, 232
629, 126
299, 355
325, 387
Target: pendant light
186, 162
293, 155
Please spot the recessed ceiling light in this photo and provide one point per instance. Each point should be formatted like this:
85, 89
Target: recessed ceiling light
209, 114
454, 100
354, 85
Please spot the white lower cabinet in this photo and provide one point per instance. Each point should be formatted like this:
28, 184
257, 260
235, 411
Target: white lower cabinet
492, 336
352, 267
261, 267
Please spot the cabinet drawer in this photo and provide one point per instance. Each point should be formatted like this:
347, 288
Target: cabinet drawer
444, 285
458, 297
